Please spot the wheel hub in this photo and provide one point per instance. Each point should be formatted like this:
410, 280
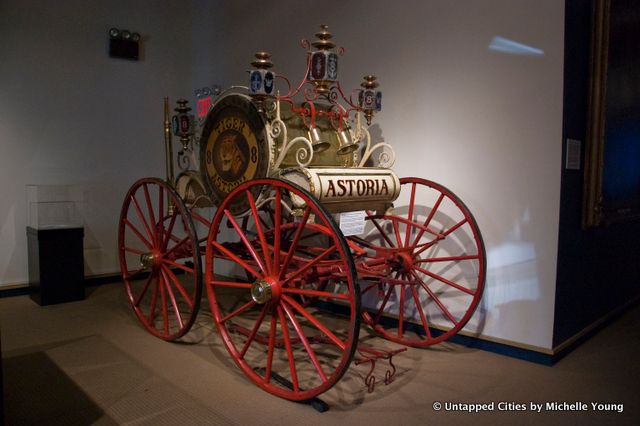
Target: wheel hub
404, 262
261, 292
148, 260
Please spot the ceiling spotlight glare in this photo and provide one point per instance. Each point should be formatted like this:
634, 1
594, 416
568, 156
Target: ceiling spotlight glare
114, 33
126, 34
135, 37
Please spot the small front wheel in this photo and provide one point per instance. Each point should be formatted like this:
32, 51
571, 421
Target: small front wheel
159, 258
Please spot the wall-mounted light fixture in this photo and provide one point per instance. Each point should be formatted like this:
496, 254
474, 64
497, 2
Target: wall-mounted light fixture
124, 44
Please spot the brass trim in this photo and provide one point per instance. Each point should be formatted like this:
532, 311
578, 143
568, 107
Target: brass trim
261, 292
168, 148
592, 192
148, 260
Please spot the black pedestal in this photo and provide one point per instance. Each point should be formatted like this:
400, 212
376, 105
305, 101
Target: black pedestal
56, 265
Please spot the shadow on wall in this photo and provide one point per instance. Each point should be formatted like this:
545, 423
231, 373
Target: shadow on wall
375, 133
443, 282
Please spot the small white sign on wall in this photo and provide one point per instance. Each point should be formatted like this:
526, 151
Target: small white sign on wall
352, 223
572, 162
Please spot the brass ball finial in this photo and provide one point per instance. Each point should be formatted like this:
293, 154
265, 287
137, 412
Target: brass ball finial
324, 39
262, 61
369, 82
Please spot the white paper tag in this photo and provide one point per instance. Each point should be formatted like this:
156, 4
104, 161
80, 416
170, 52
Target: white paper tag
572, 161
352, 223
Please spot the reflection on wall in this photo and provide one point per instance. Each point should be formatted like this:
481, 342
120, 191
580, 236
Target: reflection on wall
504, 45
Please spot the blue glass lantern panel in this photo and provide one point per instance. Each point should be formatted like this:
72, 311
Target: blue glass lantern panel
255, 84
268, 82
262, 82
368, 99
332, 66
318, 66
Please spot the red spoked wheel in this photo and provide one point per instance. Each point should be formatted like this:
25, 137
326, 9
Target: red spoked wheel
276, 279
423, 270
160, 258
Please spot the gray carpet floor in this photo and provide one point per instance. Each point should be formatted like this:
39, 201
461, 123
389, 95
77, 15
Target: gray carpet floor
90, 362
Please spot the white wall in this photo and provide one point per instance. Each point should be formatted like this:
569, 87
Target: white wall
69, 114
483, 123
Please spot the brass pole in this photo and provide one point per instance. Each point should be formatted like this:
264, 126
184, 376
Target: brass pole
594, 159
168, 148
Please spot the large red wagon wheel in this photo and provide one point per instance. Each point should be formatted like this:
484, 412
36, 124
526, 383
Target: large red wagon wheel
160, 258
424, 271
270, 277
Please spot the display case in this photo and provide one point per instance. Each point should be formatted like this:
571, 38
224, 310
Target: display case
55, 235
54, 206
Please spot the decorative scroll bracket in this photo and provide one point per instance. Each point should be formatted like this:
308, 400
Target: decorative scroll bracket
304, 155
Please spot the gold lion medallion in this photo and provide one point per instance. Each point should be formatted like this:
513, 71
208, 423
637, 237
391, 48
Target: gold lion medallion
234, 150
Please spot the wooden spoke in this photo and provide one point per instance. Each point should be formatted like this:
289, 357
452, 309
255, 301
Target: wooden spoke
316, 323
272, 341
240, 310
172, 299
252, 336
176, 282
138, 234
305, 342
446, 281
236, 259
287, 345
311, 263
263, 240
435, 298
294, 242
142, 219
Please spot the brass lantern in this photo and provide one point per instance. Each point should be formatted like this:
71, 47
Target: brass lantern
370, 98
323, 70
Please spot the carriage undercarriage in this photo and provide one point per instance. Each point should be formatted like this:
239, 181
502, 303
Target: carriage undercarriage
287, 290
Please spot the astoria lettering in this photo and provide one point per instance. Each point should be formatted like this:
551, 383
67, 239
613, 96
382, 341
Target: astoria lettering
356, 187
